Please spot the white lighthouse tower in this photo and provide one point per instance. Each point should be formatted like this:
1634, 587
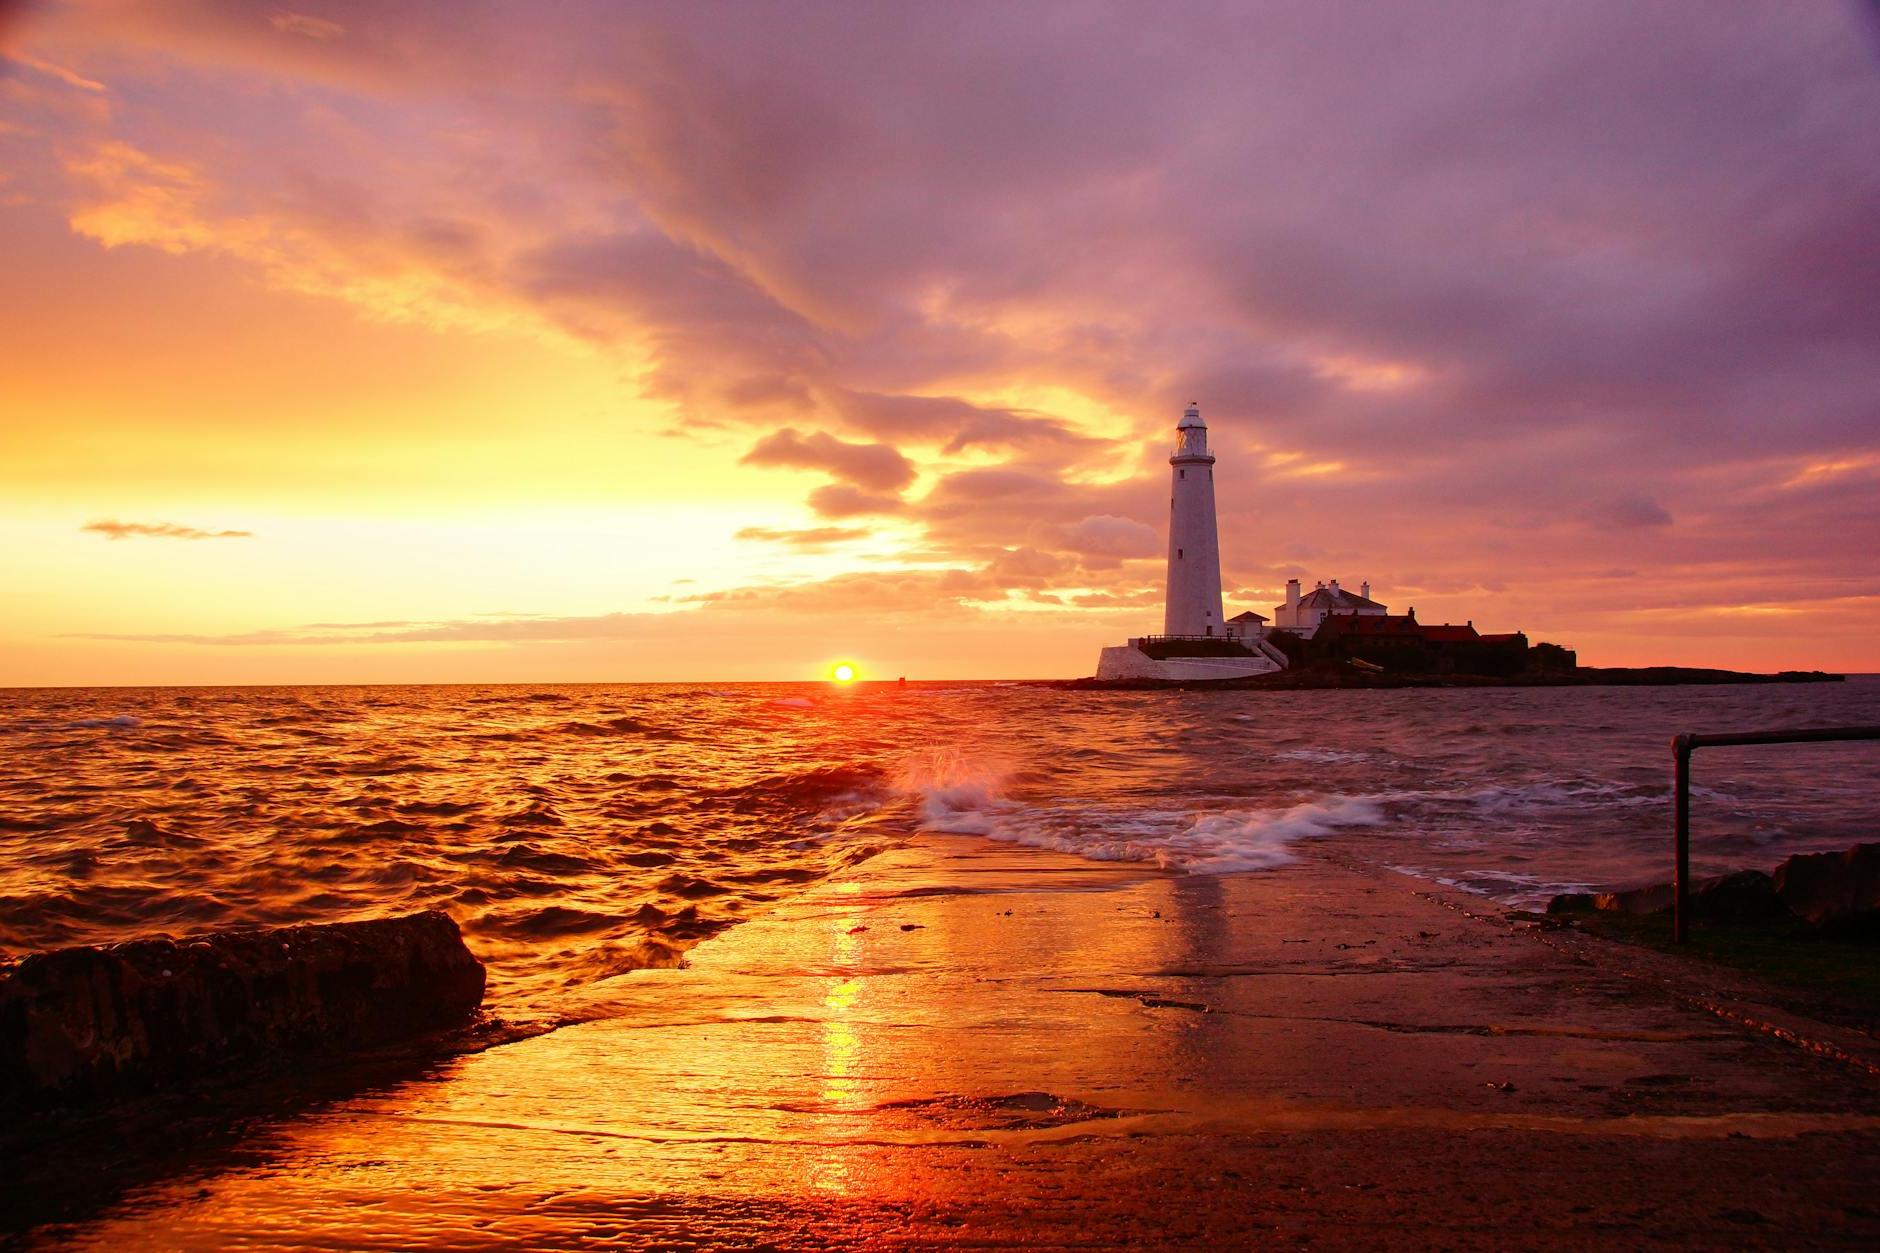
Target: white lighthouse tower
1193, 606
1196, 642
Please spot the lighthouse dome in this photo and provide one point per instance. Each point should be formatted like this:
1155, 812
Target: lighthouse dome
1190, 417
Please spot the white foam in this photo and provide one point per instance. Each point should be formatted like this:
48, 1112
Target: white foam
1505, 798
963, 795
1507, 886
794, 702
958, 792
121, 720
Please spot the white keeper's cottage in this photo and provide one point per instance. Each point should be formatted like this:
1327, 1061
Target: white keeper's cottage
1303, 614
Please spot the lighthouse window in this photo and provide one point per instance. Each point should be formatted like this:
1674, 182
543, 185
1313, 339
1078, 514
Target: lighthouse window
1178, 554
1183, 473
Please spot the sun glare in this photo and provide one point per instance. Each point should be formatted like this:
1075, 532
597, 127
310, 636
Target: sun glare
842, 672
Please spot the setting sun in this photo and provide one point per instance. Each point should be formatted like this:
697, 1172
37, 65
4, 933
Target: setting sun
843, 672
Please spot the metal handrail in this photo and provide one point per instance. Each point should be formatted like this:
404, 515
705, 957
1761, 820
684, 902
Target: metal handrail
1151, 639
1681, 748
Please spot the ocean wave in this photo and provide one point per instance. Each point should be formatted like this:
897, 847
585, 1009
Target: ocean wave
1225, 841
963, 793
1507, 886
1324, 756
810, 793
617, 726
383, 800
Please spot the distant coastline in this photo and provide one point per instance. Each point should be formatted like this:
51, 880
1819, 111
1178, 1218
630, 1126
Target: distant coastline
1314, 678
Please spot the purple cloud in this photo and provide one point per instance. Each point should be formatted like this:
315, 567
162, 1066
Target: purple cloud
1462, 280
878, 467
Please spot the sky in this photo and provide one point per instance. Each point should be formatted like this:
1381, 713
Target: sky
387, 341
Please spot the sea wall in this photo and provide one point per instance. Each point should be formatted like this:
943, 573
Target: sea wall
83, 1023
1128, 662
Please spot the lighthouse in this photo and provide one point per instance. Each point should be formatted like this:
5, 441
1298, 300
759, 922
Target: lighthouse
1196, 641
1193, 605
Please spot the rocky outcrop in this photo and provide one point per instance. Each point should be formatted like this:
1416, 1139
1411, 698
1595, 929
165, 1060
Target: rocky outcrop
1747, 896
83, 1023
1835, 892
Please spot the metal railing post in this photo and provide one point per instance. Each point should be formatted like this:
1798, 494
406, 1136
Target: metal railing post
1681, 875
1681, 749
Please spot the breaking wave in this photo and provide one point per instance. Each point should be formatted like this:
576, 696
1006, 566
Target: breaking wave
962, 794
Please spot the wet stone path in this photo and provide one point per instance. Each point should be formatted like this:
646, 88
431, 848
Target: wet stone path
960, 1045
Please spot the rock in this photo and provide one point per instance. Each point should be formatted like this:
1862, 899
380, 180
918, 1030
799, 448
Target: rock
1833, 890
1746, 896
83, 1023
1655, 899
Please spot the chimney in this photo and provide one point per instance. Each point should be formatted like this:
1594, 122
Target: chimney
1412, 615
1292, 593
1364, 589
1334, 585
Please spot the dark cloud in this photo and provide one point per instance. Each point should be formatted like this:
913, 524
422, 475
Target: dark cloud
954, 423
1628, 513
877, 467
158, 530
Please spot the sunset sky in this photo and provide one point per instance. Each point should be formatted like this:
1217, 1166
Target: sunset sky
392, 341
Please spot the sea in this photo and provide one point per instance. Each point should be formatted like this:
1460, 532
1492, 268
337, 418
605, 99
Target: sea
577, 833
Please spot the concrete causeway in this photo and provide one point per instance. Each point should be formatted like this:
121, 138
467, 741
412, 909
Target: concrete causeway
961, 1045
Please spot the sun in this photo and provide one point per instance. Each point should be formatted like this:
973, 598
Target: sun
842, 672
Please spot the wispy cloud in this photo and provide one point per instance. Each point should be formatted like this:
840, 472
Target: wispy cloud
305, 25
811, 537
158, 530
51, 70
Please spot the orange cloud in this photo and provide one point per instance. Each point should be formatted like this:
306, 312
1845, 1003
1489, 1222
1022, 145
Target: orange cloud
158, 530
811, 537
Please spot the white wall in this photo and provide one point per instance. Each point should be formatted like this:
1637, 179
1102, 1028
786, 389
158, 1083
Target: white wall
1132, 663
1194, 549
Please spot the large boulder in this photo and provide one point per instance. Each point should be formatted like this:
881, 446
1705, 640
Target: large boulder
82, 1023
1833, 890
1746, 896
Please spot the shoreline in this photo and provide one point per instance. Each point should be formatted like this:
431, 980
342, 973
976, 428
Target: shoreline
1307, 679
957, 1041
